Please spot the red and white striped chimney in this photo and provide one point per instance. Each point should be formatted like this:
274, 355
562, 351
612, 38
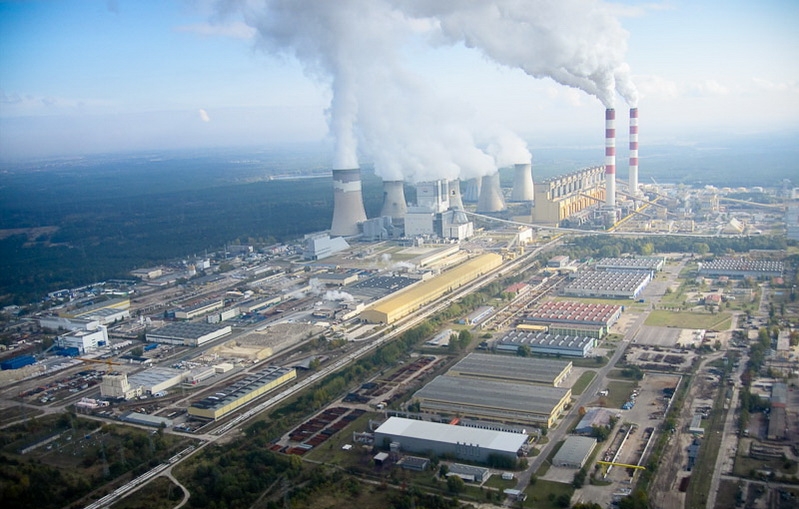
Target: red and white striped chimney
610, 157
633, 151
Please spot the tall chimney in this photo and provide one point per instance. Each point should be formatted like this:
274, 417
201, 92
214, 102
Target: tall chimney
472, 190
394, 204
610, 157
348, 208
455, 199
633, 151
490, 195
522, 183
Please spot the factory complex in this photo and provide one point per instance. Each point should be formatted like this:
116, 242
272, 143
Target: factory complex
575, 318
241, 392
526, 404
405, 302
742, 268
188, 333
463, 443
530, 370
608, 284
545, 343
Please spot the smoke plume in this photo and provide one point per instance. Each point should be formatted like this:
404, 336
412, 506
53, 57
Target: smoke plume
577, 43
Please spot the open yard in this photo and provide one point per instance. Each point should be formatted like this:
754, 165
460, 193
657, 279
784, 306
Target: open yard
689, 320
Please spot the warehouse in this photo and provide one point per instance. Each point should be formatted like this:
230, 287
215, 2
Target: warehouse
478, 315
575, 318
154, 380
742, 268
593, 417
545, 343
188, 333
446, 439
524, 404
503, 368
242, 392
199, 309
403, 303
146, 420
609, 284
652, 264
574, 452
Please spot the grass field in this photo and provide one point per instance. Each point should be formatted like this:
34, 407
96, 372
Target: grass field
689, 320
542, 494
582, 382
618, 393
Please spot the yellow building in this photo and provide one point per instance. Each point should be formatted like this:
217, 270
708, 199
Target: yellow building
559, 197
242, 392
405, 302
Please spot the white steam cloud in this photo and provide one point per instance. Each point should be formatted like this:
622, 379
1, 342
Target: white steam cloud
578, 43
409, 132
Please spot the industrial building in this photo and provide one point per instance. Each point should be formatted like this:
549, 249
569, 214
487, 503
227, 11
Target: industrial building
320, 246
435, 215
469, 473
574, 452
742, 268
116, 386
777, 419
62, 323
188, 333
84, 341
478, 315
575, 318
446, 439
106, 312
522, 183
564, 196
146, 419
545, 343
650, 263
526, 404
242, 392
490, 199
156, 379
502, 368
593, 417
199, 309
608, 284
396, 306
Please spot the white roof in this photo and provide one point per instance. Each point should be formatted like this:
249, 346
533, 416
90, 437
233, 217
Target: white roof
448, 433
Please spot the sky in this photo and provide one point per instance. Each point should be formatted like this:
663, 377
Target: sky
95, 76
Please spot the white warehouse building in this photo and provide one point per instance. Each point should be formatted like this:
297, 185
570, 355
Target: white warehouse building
84, 340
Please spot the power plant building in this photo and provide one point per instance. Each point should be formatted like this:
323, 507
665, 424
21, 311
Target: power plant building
525, 404
320, 246
562, 197
405, 302
242, 392
503, 368
546, 343
463, 443
608, 284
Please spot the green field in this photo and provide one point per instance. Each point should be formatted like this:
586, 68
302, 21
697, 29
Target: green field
582, 382
543, 494
689, 320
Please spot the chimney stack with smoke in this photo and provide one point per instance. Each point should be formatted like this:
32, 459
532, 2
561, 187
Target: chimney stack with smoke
522, 183
455, 200
634, 151
490, 195
610, 157
348, 208
394, 204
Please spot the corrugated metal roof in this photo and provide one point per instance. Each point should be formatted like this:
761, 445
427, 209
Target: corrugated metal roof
527, 369
447, 433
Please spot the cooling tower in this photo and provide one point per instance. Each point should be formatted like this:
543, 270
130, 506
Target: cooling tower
472, 190
633, 151
348, 208
610, 157
455, 200
394, 204
522, 183
490, 195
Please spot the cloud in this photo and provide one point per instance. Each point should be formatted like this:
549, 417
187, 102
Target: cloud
770, 86
637, 11
204, 115
231, 29
707, 88
657, 87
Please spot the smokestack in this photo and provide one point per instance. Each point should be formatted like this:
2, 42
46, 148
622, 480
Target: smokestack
490, 195
633, 151
522, 183
610, 157
455, 200
394, 204
348, 208
472, 190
